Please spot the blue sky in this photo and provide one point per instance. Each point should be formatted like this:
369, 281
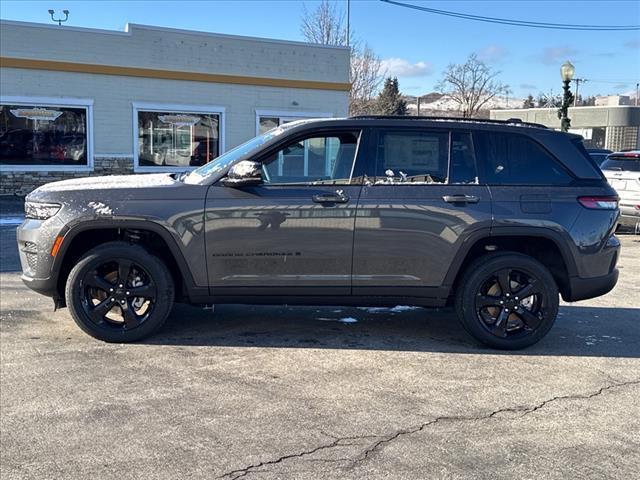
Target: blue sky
415, 46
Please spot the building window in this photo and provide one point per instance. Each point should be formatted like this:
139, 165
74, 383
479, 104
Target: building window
176, 138
38, 135
269, 119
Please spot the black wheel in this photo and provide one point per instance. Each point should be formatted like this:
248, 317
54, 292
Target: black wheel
507, 300
119, 292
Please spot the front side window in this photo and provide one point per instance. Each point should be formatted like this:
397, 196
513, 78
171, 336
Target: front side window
43, 135
512, 159
177, 139
319, 159
412, 157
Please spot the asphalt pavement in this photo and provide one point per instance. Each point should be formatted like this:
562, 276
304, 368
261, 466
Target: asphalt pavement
319, 393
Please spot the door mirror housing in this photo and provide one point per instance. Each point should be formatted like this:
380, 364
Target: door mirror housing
243, 174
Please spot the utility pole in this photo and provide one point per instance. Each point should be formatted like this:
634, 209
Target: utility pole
575, 98
348, 18
637, 85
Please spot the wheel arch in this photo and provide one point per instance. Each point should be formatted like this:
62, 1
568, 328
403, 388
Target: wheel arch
83, 237
547, 246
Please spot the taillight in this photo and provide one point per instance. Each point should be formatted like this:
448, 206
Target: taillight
599, 203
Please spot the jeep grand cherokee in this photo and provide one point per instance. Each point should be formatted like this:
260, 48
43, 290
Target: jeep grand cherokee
494, 218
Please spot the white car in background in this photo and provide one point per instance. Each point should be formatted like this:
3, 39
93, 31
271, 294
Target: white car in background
622, 170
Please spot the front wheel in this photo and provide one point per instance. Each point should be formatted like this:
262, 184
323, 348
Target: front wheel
119, 292
507, 300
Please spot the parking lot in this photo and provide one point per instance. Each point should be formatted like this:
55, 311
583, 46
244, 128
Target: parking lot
303, 392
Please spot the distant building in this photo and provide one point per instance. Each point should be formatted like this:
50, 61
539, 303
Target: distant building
80, 101
612, 127
613, 100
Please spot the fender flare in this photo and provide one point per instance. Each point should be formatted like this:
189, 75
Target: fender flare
559, 239
70, 233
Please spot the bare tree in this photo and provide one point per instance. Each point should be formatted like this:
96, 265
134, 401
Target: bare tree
471, 85
325, 25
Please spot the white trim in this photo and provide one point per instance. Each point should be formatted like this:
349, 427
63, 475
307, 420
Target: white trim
178, 108
287, 115
86, 103
62, 28
47, 101
129, 27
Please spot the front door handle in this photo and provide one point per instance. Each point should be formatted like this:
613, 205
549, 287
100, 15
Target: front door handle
461, 199
337, 197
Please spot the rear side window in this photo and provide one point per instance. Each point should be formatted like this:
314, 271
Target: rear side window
512, 159
412, 156
621, 165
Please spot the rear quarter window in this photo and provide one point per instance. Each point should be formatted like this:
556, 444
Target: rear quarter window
513, 159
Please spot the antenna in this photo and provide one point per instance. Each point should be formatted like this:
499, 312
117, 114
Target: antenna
59, 20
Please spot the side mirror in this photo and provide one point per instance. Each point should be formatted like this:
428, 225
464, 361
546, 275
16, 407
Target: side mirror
243, 174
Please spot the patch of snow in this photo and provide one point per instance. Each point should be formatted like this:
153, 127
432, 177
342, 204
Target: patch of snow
109, 182
348, 320
403, 308
100, 208
11, 220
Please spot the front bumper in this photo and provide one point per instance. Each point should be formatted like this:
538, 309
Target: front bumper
35, 240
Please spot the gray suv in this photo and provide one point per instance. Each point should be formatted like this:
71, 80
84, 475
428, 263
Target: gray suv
494, 218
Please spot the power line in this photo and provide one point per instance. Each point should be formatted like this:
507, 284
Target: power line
516, 23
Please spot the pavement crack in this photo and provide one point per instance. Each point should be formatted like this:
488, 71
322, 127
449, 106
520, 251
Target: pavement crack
241, 472
384, 440
525, 409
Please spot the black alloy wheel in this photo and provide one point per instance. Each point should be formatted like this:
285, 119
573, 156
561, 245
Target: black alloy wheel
119, 292
507, 300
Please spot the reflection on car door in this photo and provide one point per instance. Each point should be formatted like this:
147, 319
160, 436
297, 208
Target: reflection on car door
415, 211
293, 234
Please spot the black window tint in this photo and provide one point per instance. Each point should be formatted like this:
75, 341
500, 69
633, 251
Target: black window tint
412, 156
511, 159
463, 159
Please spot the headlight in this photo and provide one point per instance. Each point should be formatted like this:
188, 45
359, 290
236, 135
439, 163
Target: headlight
40, 211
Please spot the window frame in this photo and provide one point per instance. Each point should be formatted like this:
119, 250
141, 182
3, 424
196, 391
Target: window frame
179, 109
60, 102
288, 115
373, 156
359, 132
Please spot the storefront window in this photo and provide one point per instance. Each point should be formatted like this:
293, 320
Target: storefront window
177, 139
37, 135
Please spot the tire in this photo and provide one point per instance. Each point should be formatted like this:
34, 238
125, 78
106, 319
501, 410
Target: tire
520, 320
119, 292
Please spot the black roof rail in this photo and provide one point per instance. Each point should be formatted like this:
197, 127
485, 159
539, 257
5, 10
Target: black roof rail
511, 121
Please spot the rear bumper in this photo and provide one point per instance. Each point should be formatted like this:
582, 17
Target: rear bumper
584, 288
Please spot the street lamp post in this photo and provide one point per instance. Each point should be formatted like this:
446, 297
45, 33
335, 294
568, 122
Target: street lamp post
566, 72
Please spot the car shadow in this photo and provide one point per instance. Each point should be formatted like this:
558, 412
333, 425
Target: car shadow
579, 330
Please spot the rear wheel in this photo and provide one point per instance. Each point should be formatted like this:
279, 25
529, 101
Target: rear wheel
507, 300
119, 292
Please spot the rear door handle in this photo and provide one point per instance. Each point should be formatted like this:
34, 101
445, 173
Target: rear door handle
461, 199
337, 197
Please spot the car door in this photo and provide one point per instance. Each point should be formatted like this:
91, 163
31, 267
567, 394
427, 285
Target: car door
420, 201
292, 234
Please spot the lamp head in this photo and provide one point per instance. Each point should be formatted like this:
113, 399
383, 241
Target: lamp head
567, 70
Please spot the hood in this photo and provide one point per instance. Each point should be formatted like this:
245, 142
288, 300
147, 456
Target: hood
111, 182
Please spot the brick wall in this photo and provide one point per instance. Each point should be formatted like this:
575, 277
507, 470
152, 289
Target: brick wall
21, 183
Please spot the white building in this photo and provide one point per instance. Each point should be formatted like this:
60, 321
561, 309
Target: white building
79, 101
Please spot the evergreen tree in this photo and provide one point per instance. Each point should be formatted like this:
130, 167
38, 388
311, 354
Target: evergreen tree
390, 101
529, 102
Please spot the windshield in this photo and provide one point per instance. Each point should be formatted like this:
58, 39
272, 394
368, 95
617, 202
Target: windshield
224, 161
